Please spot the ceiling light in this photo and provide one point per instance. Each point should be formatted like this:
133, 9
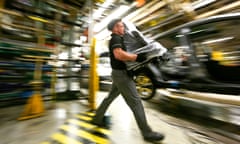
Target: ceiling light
115, 14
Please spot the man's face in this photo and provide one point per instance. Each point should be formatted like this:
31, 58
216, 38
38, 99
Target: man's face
119, 28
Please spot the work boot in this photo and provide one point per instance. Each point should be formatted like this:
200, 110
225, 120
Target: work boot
153, 137
106, 122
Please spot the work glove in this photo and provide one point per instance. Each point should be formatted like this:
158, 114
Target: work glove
141, 57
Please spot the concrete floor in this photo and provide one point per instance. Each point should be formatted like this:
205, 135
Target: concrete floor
68, 123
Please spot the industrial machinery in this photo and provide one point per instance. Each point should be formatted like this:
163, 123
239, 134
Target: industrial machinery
202, 55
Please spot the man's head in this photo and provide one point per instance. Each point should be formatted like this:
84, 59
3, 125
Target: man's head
116, 26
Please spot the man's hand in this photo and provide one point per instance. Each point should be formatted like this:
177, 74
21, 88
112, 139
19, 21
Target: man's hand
141, 57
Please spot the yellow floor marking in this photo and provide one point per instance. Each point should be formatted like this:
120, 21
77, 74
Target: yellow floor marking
85, 134
89, 126
90, 113
45, 143
64, 139
83, 117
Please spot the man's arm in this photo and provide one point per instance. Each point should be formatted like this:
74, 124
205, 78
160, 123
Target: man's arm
122, 55
125, 56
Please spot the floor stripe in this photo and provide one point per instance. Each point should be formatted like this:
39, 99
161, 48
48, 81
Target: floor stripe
64, 139
89, 126
86, 118
84, 134
90, 113
45, 143
76, 137
78, 130
93, 131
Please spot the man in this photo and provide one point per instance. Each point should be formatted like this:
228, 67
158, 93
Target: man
123, 83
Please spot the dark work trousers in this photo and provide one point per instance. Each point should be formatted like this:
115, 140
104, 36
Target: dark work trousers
123, 84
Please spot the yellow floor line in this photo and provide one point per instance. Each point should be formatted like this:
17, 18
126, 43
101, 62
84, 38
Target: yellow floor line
83, 117
89, 126
63, 139
84, 134
90, 113
45, 143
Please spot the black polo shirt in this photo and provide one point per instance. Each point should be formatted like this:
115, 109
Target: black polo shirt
116, 42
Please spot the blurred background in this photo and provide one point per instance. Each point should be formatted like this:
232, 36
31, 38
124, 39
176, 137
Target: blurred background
52, 47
